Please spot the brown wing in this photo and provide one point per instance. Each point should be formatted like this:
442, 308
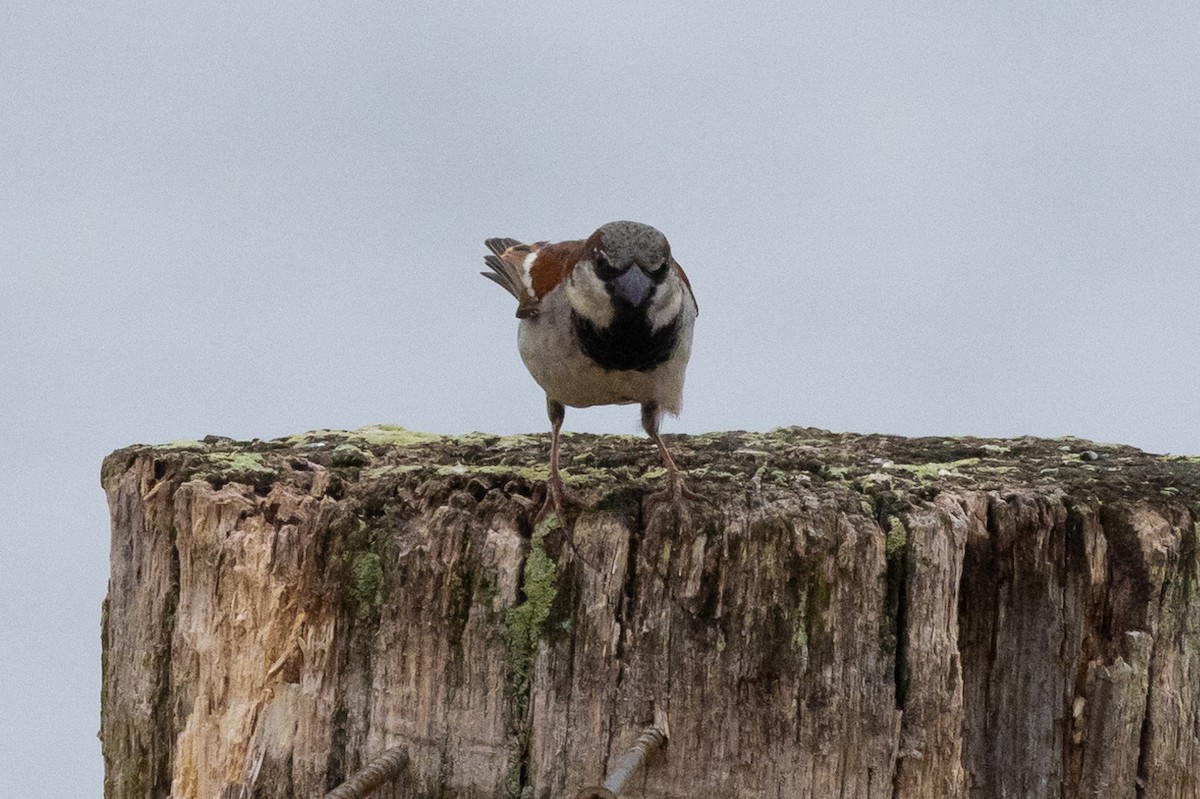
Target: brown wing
507, 263
529, 271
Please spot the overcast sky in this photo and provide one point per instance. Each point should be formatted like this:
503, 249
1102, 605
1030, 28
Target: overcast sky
252, 220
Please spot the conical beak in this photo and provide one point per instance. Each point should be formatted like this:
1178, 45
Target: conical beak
633, 286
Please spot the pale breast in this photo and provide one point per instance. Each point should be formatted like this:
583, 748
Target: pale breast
551, 351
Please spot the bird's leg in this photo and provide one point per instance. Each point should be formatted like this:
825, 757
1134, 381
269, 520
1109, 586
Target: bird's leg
556, 494
554, 485
676, 492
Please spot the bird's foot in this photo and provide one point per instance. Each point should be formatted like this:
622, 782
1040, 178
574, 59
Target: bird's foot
675, 497
559, 501
559, 511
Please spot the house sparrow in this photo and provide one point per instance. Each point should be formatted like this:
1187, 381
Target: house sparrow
605, 320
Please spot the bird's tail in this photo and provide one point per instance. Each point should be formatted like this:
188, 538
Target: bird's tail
506, 271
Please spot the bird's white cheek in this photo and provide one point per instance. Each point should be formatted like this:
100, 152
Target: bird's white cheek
665, 306
588, 297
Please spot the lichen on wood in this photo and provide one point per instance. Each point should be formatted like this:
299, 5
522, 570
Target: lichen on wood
862, 616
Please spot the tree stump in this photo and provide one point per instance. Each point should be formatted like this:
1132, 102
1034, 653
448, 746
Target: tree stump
851, 616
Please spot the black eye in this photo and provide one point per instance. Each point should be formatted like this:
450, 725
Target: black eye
604, 270
660, 272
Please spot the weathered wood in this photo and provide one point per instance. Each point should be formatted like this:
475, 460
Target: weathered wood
853, 616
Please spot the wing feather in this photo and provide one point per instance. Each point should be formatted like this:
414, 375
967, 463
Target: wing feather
498, 246
507, 263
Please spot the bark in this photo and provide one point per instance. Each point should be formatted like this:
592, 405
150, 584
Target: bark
852, 616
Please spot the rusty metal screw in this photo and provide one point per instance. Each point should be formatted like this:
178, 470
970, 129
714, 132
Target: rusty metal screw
382, 769
652, 738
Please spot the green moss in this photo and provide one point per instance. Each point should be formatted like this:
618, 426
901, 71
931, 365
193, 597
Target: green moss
800, 641
930, 471
525, 625
365, 554
531, 473
714, 470
520, 441
576, 476
801, 624
367, 585
897, 538
219, 468
890, 621
348, 455
800, 633
387, 435
719, 462
310, 437
488, 592
995, 470
579, 477
187, 444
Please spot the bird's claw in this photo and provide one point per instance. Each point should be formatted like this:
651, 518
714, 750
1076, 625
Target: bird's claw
558, 501
675, 495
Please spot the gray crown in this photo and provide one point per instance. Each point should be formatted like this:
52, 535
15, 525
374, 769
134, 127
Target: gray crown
626, 243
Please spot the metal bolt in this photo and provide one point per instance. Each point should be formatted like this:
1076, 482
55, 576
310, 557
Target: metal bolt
382, 769
651, 738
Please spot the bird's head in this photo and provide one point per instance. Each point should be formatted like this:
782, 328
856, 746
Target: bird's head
627, 268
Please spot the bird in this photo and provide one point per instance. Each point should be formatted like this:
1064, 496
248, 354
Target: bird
605, 320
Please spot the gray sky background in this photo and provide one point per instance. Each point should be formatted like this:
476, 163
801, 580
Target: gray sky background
254, 220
